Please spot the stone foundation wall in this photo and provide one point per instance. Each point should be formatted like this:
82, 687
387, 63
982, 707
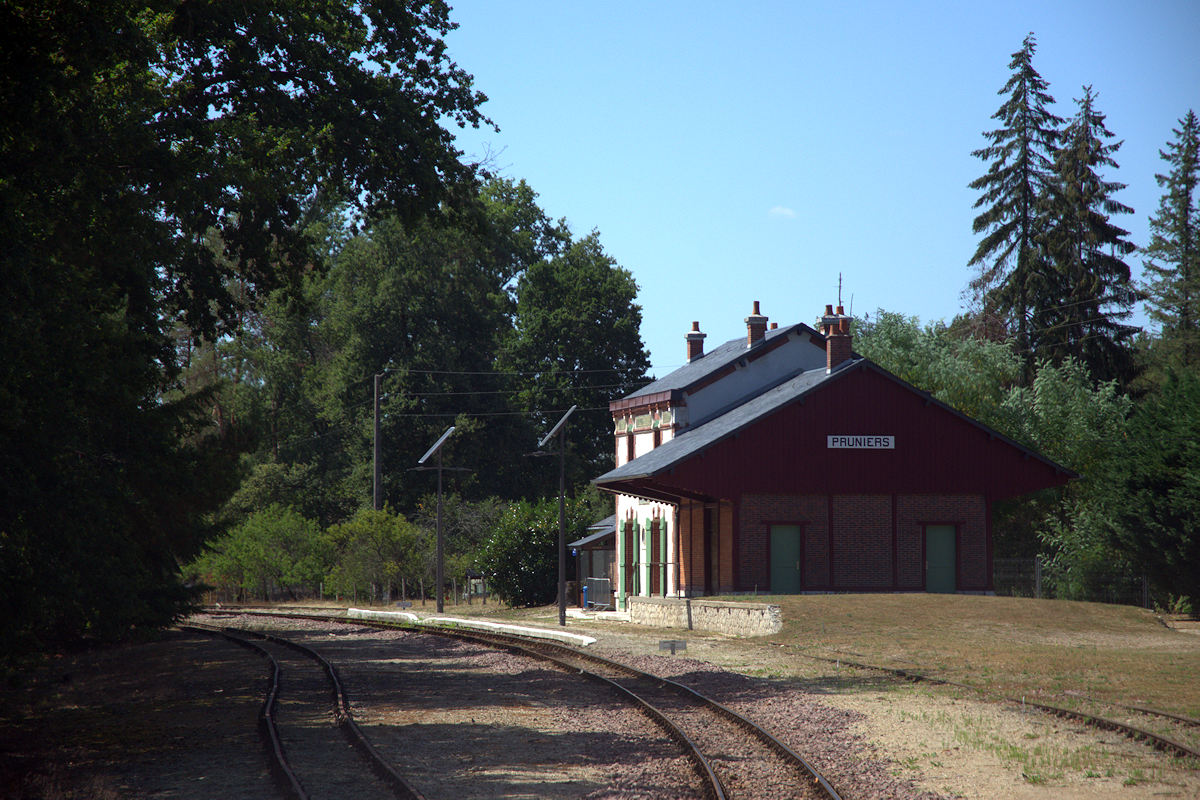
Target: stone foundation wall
734, 619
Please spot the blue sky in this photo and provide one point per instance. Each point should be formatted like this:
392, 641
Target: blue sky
732, 152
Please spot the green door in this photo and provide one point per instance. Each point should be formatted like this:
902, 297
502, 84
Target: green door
785, 559
940, 566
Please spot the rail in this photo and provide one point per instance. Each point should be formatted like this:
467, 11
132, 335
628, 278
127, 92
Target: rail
288, 780
563, 656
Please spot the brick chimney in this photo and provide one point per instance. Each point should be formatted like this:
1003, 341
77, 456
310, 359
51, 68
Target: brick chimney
838, 342
695, 342
756, 327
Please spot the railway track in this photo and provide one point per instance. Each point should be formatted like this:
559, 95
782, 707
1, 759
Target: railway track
1171, 733
1165, 731
742, 759
732, 757
305, 720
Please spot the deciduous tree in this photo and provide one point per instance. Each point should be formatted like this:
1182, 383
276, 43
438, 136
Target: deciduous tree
377, 549
275, 550
1156, 519
520, 557
1068, 417
132, 136
971, 374
577, 339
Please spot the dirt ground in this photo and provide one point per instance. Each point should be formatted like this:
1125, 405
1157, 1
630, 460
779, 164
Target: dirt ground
133, 721
71, 732
946, 740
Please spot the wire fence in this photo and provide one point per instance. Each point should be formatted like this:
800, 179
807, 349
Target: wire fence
1030, 577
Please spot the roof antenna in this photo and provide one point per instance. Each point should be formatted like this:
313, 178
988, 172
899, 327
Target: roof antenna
839, 288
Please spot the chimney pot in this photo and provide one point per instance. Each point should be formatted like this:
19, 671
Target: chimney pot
695, 342
756, 327
838, 341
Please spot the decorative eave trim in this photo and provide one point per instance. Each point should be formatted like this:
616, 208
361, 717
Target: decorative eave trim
671, 397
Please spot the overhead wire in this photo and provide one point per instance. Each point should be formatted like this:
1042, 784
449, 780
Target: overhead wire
345, 427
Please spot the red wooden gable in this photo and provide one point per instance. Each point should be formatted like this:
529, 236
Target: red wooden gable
936, 450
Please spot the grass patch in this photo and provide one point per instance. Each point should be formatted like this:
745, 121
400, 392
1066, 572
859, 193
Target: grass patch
1014, 646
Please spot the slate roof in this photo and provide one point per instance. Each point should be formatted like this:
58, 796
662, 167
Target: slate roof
609, 523
696, 439
700, 368
599, 530
738, 416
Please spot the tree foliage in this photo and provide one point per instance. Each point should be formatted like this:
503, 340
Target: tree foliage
1019, 154
274, 551
1081, 425
1156, 520
1051, 263
577, 336
378, 550
1062, 413
520, 558
1172, 261
466, 525
970, 374
1089, 291
460, 317
158, 164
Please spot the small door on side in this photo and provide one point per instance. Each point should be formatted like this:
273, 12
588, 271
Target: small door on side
941, 563
785, 559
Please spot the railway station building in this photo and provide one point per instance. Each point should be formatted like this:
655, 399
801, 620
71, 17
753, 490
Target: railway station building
784, 462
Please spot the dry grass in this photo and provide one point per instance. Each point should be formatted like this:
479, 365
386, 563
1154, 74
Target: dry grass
1014, 646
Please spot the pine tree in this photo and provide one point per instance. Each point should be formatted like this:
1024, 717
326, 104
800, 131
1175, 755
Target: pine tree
1089, 292
1020, 155
1173, 255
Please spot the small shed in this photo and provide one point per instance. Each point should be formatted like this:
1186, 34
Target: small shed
595, 562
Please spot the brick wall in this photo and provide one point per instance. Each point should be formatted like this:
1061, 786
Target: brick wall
759, 512
862, 541
967, 512
725, 532
862, 538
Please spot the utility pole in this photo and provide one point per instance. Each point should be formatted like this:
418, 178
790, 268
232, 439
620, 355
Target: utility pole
562, 525
377, 494
437, 448
561, 430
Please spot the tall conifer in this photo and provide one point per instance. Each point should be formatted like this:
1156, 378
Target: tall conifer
1173, 255
1020, 155
1080, 310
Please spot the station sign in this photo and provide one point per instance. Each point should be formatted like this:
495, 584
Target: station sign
847, 442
